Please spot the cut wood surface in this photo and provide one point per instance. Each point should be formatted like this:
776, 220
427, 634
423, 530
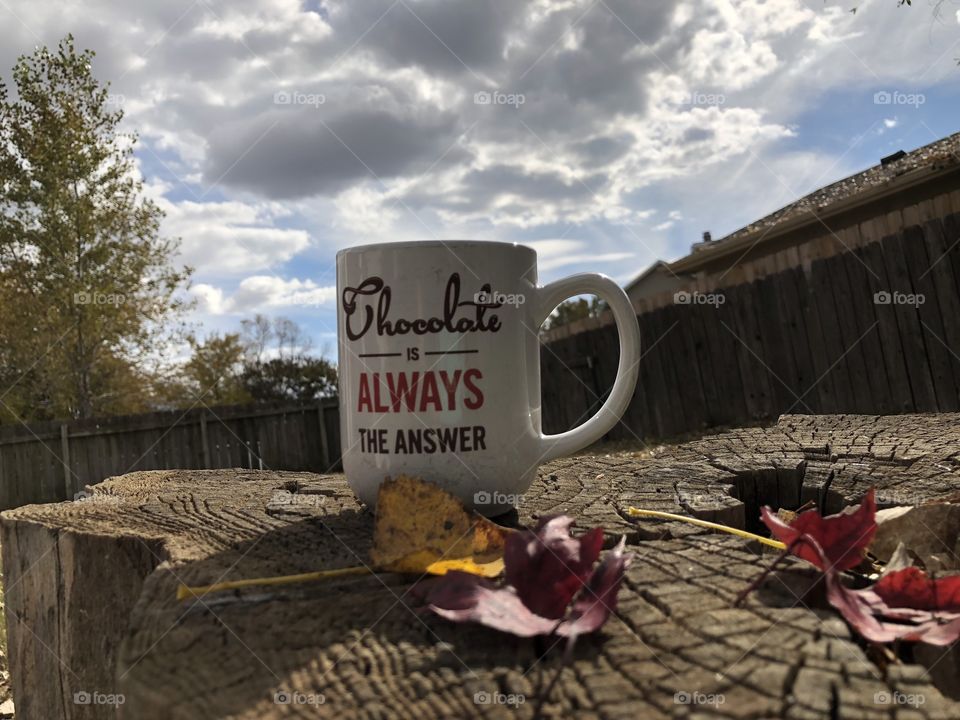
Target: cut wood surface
92, 609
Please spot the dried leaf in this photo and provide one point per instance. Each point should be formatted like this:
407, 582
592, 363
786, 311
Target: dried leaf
547, 566
593, 607
904, 604
461, 597
787, 516
931, 531
421, 528
843, 538
900, 559
426, 561
560, 588
911, 587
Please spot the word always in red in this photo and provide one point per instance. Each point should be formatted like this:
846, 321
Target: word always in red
419, 392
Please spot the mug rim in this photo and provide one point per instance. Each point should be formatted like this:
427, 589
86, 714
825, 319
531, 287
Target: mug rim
451, 244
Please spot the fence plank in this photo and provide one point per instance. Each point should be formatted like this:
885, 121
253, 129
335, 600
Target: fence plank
51, 461
946, 295
908, 322
879, 400
850, 347
928, 315
65, 459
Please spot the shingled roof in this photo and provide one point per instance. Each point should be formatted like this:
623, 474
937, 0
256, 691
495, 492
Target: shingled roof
939, 155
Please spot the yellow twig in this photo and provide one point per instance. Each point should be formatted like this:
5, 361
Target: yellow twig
184, 591
636, 512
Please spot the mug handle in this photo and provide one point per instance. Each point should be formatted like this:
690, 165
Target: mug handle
548, 297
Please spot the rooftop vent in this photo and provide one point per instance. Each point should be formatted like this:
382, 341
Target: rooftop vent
893, 158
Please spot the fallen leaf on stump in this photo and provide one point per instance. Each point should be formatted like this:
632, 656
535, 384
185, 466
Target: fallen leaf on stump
421, 528
548, 566
843, 538
904, 604
930, 531
553, 584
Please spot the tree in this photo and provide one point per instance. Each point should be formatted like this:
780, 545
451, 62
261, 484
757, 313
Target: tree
87, 286
266, 362
572, 310
292, 374
301, 379
257, 333
214, 373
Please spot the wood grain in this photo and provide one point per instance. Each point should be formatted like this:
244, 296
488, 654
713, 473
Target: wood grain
91, 606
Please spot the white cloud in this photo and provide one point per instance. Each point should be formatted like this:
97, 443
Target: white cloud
692, 105
231, 237
557, 253
261, 293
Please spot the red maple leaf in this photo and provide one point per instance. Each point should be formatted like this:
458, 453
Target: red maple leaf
910, 587
843, 538
904, 604
553, 584
548, 566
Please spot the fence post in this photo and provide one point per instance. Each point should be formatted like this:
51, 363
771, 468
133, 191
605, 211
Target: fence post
203, 440
324, 443
65, 459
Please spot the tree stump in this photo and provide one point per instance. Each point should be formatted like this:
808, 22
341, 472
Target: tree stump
92, 610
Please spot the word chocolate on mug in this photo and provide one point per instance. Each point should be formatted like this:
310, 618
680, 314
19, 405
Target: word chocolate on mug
449, 321
439, 367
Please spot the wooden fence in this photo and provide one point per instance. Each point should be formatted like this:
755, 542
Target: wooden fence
48, 462
874, 329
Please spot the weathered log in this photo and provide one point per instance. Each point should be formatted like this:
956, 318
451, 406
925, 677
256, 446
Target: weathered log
91, 606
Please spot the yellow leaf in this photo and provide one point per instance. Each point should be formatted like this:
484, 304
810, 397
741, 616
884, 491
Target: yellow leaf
421, 528
425, 561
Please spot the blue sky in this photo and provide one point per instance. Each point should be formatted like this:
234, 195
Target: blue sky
274, 132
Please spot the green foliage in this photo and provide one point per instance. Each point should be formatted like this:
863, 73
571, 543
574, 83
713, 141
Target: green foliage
572, 310
293, 375
299, 379
268, 361
212, 376
87, 286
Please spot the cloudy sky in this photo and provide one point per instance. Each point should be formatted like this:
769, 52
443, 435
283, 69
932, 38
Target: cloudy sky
605, 133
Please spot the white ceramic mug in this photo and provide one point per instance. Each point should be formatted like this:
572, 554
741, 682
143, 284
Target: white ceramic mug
440, 367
